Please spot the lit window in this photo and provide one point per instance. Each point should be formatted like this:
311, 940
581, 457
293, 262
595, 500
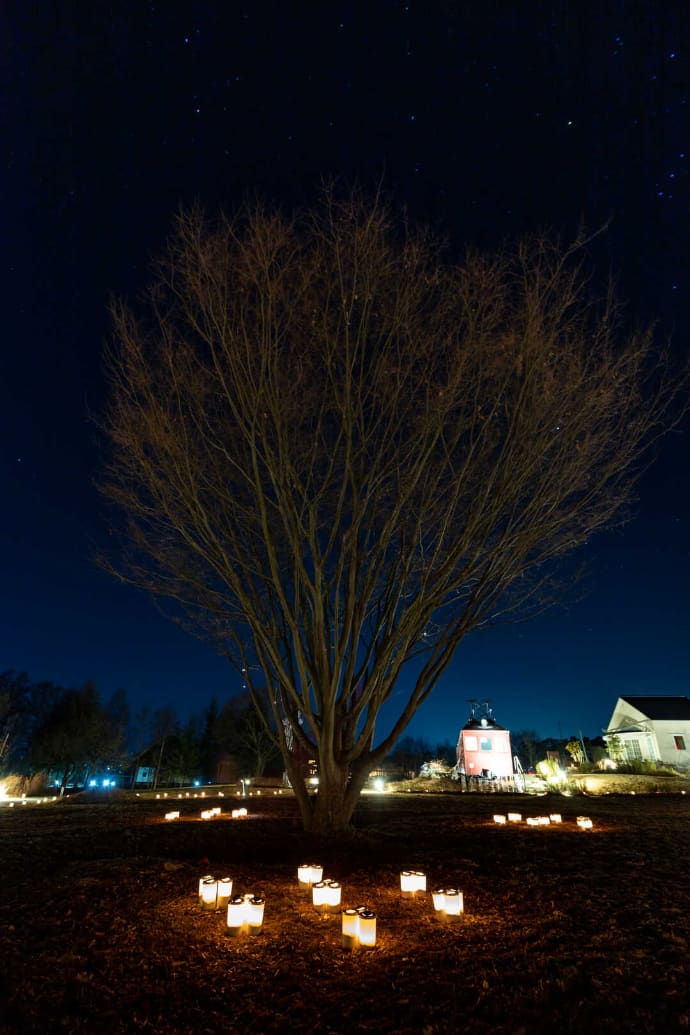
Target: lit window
470, 743
680, 743
485, 744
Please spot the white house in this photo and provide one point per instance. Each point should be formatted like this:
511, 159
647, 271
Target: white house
653, 729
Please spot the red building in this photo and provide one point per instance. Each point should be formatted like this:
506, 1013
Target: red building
484, 746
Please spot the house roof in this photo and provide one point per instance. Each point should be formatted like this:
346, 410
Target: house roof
660, 707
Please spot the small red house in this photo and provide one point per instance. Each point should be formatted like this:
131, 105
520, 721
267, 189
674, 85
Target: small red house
484, 746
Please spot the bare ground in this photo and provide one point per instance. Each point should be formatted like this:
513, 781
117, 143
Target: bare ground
564, 930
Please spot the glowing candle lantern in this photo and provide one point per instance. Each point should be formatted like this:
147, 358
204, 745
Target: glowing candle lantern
207, 814
172, 815
309, 873
350, 927
202, 880
209, 893
532, 822
412, 881
500, 820
556, 817
254, 912
544, 821
224, 891
584, 822
326, 895
448, 903
515, 817
439, 899
367, 928
453, 902
235, 916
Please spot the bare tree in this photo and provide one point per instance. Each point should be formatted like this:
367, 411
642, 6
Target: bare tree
337, 454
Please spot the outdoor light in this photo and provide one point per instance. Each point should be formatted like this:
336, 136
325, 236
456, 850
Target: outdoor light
556, 817
207, 814
209, 893
350, 926
326, 896
254, 911
515, 817
224, 891
367, 928
448, 902
499, 819
532, 822
543, 821
358, 927
584, 822
245, 915
412, 881
172, 815
309, 873
202, 880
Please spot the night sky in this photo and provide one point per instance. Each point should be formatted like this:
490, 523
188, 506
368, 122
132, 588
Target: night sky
485, 120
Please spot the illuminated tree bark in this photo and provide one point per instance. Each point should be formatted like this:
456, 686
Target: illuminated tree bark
336, 454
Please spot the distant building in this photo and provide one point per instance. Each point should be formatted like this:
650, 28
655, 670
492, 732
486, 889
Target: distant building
650, 729
484, 746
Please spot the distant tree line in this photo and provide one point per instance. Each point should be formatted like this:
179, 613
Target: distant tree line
72, 736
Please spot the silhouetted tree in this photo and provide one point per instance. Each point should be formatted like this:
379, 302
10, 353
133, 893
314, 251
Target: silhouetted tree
339, 453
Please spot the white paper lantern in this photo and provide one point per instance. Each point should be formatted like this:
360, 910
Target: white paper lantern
224, 891
209, 893
309, 873
207, 876
500, 820
515, 817
367, 928
584, 823
350, 928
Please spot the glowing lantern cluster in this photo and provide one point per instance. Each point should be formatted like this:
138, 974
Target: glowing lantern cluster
172, 815
500, 820
238, 813
448, 903
309, 873
325, 896
358, 928
245, 915
412, 881
584, 823
515, 817
211, 813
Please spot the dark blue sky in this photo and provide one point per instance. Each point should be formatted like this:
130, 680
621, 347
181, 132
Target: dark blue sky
486, 120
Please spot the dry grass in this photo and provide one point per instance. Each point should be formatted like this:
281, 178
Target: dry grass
564, 930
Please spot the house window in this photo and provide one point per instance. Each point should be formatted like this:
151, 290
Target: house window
679, 742
632, 750
485, 743
470, 743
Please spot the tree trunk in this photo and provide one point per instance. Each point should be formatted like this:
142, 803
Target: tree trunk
329, 812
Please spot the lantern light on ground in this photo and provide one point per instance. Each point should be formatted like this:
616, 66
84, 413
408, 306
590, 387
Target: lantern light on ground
532, 821
224, 891
556, 817
209, 893
367, 928
500, 820
584, 823
358, 927
448, 903
326, 895
207, 814
245, 915
412, 881
515, 817
309, 873
543, 821
254, 907
172, 815
202, 880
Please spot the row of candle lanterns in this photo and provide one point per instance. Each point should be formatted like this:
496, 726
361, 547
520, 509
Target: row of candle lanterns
209, 814
583, 822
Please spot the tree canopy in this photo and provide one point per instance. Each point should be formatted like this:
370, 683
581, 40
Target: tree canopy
337, 451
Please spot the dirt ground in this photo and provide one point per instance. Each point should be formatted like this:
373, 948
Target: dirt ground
564, 930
